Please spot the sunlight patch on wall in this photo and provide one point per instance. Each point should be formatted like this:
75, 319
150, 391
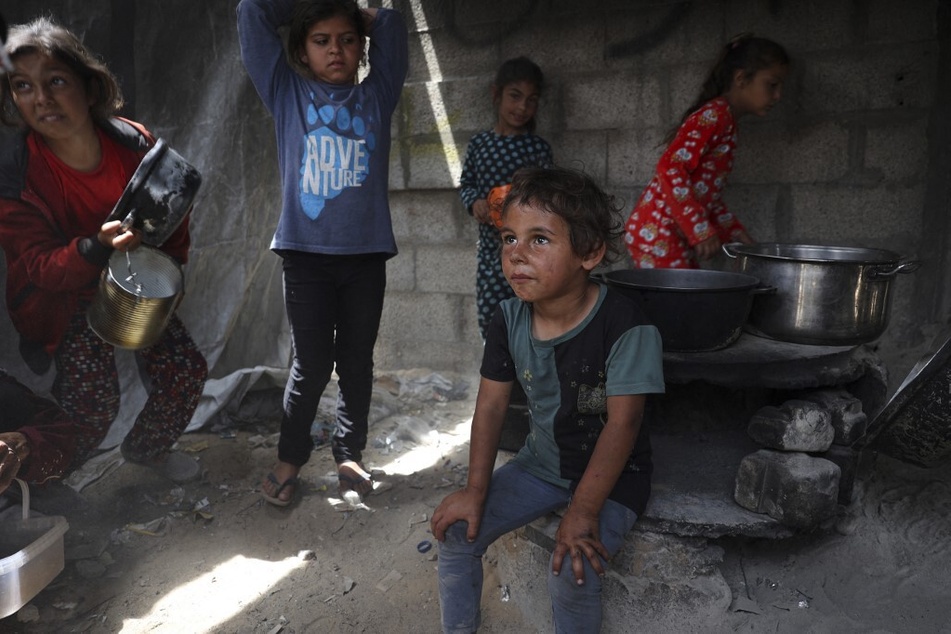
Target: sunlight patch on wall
436, 101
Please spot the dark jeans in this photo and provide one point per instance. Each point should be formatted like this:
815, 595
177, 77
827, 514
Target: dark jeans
334, 304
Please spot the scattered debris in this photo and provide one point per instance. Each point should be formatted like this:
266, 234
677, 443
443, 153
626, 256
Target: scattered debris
156, 528
387, 582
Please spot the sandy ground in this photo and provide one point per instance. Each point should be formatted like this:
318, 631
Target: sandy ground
145, 556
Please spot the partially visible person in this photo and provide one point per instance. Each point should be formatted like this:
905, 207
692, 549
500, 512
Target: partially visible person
680, 218
335, 232
492, 157
586, 358
37, 438
61, 174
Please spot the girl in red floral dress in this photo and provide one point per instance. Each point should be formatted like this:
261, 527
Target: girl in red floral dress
680, 218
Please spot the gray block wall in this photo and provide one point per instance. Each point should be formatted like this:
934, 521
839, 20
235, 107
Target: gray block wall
857, 153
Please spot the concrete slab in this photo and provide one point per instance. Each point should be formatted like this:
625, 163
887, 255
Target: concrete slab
692, 488
762, 362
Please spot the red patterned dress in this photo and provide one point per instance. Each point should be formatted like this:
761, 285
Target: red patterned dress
682, 206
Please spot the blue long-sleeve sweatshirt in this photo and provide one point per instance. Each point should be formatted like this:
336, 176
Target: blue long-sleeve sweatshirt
333, 141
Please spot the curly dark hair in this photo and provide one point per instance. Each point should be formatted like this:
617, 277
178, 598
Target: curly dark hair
46, 37
593, 216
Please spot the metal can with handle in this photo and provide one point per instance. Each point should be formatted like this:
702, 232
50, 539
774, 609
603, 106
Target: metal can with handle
138, 293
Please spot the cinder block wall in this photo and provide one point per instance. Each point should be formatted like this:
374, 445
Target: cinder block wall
851, 156
857, 153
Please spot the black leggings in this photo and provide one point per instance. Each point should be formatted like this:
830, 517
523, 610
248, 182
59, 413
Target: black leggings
334, 304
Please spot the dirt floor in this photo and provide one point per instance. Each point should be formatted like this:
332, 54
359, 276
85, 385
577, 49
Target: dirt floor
210, 556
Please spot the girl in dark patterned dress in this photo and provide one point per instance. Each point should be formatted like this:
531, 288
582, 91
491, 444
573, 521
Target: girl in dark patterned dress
492, 157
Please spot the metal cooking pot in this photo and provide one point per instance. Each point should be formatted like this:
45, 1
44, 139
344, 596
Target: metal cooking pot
825, 295
695, 310
159, 195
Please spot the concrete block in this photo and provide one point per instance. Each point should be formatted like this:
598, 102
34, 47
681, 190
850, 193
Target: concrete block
436, 55
897, 77
808, 25
420, 317
460, 105
632, 156
898, 152
689, 40
890, 22
587, 151
445, 268
757, 207
683, 86
847, 459
401, 270
557, 43
433, 164
606, 102
793, 426
397, 176
771, 152
459, 356
428, 217
851, 215
793, 488
848, 419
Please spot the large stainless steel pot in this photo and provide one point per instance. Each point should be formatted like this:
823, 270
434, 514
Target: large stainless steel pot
825, 295
694, 310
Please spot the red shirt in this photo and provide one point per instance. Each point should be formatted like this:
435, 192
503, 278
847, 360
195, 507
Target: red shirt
90, 196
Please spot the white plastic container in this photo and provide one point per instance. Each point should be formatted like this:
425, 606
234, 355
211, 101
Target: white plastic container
32, 555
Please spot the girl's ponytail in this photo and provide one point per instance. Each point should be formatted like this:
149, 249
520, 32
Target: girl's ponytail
743, 52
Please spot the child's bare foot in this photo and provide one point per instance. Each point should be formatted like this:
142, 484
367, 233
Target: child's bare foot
281, 484
351, 476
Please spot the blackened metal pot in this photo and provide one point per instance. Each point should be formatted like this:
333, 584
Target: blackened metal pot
695, 310
825, 295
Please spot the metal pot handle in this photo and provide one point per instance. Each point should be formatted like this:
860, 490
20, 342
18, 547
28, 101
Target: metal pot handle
908, 266
763, 290
726, 248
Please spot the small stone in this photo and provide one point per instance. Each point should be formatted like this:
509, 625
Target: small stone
348, 584
793, 488
796, 425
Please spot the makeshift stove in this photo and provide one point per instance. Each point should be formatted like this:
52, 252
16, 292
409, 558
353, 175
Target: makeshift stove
702, 434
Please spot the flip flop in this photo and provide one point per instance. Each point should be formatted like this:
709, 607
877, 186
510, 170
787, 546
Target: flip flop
276, 500
354, 483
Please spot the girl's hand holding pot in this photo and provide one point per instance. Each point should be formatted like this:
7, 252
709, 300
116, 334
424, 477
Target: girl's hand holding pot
111, 234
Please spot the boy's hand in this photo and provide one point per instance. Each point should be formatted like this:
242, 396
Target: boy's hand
464, 505
577, 537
